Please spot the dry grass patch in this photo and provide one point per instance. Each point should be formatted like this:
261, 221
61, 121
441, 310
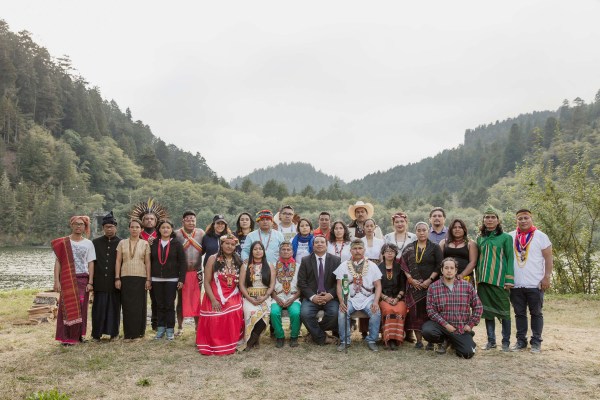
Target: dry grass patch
569, 366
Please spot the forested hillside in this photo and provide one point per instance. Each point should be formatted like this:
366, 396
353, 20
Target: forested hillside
296, 176
39, 90
463, 175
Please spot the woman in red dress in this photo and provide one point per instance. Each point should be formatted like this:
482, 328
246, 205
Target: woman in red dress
221, 324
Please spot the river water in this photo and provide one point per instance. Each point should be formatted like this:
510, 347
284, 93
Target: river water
26, 267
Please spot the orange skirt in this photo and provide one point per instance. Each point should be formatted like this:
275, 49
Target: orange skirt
392, 318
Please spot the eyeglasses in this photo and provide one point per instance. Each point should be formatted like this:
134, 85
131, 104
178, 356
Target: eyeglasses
287, 213
78, 224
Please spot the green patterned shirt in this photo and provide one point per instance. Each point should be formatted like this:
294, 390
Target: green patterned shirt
495, 265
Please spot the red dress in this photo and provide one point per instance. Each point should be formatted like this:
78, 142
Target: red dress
220, 331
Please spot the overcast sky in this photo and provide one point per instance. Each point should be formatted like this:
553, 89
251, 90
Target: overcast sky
352, 87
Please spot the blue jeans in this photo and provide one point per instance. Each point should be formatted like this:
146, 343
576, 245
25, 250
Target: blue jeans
521, 299
374, 323
490, 327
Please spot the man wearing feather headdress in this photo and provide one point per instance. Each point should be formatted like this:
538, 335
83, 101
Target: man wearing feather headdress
149, 212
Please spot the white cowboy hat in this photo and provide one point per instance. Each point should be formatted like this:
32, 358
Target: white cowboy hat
360, 204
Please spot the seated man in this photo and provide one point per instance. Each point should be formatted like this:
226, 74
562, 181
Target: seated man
286, 296
454, 309
317, 284
364, 279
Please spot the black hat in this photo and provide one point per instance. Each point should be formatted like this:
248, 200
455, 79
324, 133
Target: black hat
109, 219
218, 218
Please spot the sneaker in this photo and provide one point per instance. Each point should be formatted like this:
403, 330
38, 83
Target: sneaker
280, 342
179, 331
536, 348
419, 345
342, 346
518, 347
160, 332
505, 347
429, 346
489, 346
170, 334
372, 346
294, 342
441, 349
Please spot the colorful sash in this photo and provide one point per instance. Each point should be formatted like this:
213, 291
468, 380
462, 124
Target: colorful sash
69, 295
188, 240
522, 241
147, 236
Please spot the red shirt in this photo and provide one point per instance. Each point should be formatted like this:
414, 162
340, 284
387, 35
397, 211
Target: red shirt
318, 231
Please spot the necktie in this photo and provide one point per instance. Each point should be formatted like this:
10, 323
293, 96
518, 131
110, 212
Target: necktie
321, 285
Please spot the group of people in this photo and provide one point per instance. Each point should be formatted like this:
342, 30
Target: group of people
434, 284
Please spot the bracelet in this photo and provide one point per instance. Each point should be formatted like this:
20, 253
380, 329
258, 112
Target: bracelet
117, 278
91, 284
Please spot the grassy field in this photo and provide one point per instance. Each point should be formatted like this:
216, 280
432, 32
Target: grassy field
568, 367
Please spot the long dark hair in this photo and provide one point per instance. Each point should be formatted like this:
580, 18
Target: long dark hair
451, 228
220, 260
210, 230
484, 232
346, 232
265, 270
238, 228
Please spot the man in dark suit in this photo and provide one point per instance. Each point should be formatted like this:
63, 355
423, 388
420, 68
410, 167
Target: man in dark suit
318, 286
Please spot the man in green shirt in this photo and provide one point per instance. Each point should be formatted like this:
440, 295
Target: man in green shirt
495, 277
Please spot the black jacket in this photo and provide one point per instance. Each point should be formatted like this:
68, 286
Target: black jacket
308, 275
175, 265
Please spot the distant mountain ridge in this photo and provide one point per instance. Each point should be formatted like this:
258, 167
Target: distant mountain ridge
295, 175
463, 174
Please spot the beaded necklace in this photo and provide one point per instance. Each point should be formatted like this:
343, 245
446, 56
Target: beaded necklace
160, 248
417, 259
338, 253
132, 252
358, 273
268, 241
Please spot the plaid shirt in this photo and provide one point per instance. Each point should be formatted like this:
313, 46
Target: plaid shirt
458, 307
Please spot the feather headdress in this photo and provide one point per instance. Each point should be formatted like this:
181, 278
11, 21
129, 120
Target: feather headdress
149, 207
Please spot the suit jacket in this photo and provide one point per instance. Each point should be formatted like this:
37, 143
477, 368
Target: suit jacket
309, 273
